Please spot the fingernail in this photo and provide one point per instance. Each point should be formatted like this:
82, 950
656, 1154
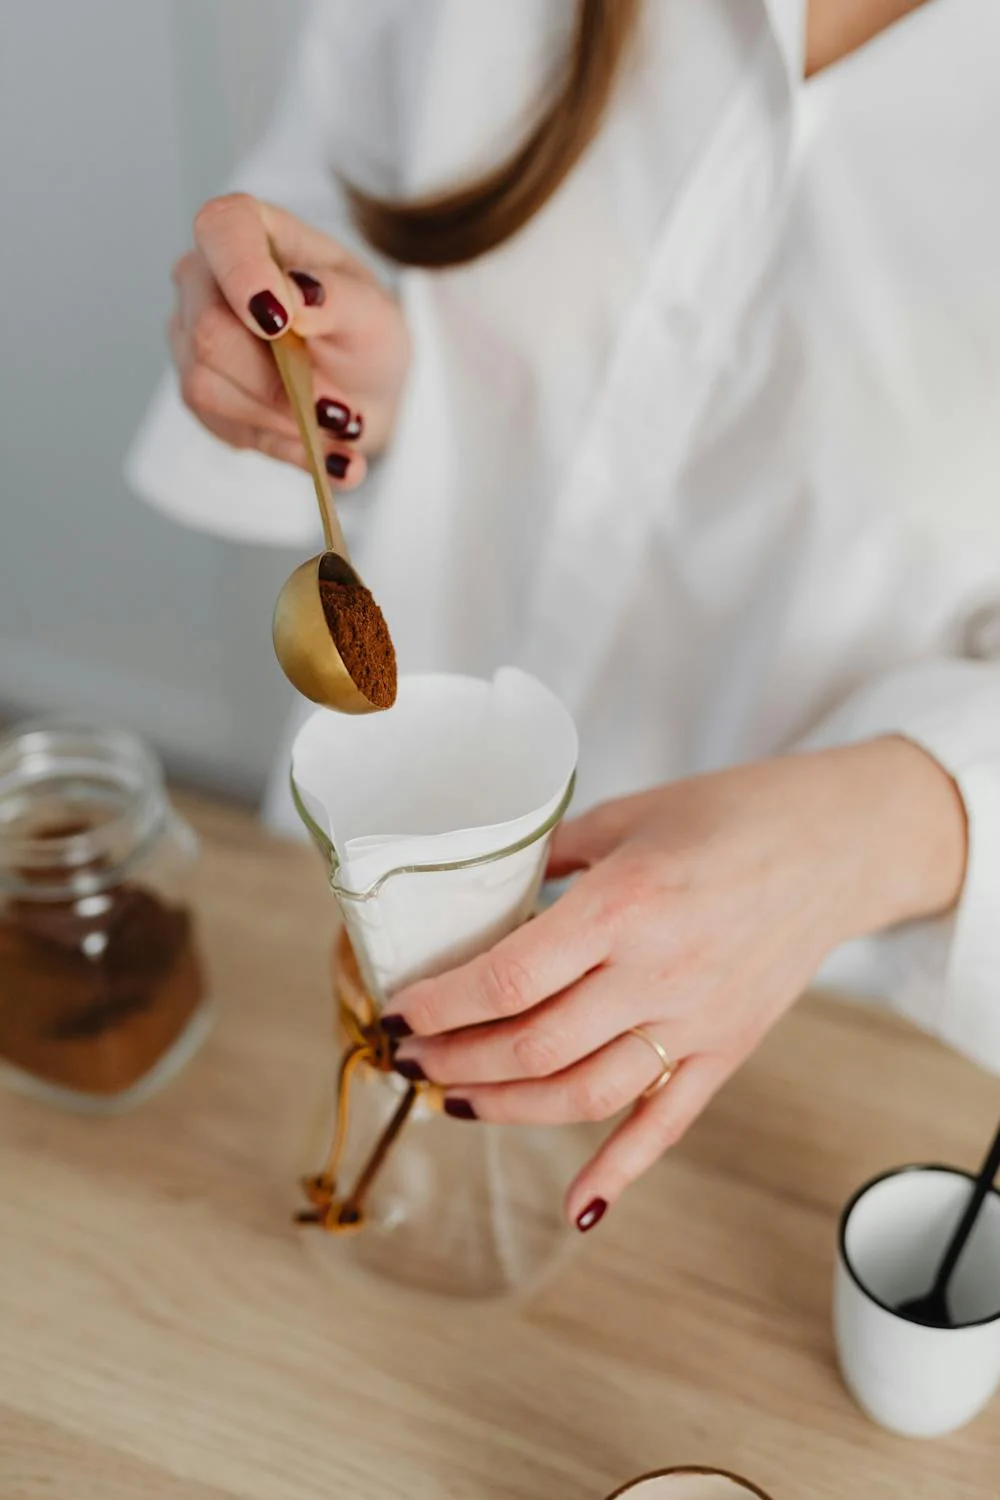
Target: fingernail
408, 1067
337, 465
354, 428
268, 312
460, 1109
592, 1214
394, 1026
333, 415
313, 291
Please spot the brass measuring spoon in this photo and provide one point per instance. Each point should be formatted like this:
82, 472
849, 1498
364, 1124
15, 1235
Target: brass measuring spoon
303, 644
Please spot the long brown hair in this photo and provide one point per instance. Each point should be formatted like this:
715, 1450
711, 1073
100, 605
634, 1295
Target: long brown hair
468, 220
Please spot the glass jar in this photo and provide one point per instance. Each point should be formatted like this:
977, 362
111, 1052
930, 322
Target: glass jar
406, 1192
101, 992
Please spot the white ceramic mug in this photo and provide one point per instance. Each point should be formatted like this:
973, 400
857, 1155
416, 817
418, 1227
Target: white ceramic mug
690, 1484
910, 1378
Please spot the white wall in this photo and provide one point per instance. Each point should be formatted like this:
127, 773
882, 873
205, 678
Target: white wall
116, 120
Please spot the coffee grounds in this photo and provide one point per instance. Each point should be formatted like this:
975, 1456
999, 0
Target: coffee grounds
93, 992
362, 638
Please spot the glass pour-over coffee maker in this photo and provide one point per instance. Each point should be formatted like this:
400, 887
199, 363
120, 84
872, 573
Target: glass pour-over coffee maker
434, 822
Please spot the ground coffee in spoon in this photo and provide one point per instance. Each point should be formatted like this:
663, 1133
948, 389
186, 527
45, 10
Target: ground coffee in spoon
362, 638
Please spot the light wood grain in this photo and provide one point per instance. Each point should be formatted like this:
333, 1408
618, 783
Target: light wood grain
163, 1333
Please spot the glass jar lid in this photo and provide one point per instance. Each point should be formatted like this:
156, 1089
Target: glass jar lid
78, 806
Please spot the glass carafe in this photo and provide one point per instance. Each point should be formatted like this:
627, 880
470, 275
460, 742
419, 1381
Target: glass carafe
461, 1209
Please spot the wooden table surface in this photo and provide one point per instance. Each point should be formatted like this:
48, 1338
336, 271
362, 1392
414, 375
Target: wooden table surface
164, 1335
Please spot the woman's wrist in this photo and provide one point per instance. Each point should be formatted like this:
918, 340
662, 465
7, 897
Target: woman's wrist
900, 831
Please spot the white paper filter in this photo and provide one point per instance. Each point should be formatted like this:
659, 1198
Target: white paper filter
458, 769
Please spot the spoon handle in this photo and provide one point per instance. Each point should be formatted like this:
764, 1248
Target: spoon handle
295, 368
981, 1187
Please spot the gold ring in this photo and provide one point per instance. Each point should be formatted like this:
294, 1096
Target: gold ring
667, 1066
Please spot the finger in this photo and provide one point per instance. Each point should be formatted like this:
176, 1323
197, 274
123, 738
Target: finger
234, 237
537, 961
335, 416
344, 308
209, 394
236, 434
335, 302
219, 341
582, 842
537, 1044
654, 1126
345, 468
232, 416
598, 1088
216, 337
310, 285
248, 387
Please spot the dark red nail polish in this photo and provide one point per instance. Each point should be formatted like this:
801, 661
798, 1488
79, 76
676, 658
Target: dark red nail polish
460, 1109
408, 1067
268, 312
592, 1214
333, 415
396, 1028
337, 465
313, 291
354, 429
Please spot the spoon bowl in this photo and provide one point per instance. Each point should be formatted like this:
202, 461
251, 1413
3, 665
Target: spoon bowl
931, 1309
303, 643
302, 640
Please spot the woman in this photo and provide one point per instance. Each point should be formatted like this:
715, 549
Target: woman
641, 397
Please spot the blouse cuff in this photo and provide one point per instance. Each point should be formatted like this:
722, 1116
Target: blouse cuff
181, 469
943, 973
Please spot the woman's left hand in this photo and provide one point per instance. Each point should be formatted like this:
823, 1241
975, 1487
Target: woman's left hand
704, 910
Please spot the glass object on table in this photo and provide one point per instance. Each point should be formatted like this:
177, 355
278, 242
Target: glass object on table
690, 1484
101, 992
407, 1193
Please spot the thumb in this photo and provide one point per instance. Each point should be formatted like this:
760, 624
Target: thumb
232, 235
586, 840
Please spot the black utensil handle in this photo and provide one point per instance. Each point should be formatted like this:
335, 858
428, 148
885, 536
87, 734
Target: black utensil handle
983, 1184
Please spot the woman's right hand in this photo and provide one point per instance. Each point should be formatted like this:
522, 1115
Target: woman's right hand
233, 297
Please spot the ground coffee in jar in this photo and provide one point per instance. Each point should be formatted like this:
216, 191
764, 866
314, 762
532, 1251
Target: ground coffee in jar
101, 992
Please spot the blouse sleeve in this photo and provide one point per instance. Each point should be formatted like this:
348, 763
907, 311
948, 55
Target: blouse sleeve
942, 974
334, 98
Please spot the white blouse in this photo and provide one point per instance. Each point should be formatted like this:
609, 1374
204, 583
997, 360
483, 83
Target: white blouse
712, 446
